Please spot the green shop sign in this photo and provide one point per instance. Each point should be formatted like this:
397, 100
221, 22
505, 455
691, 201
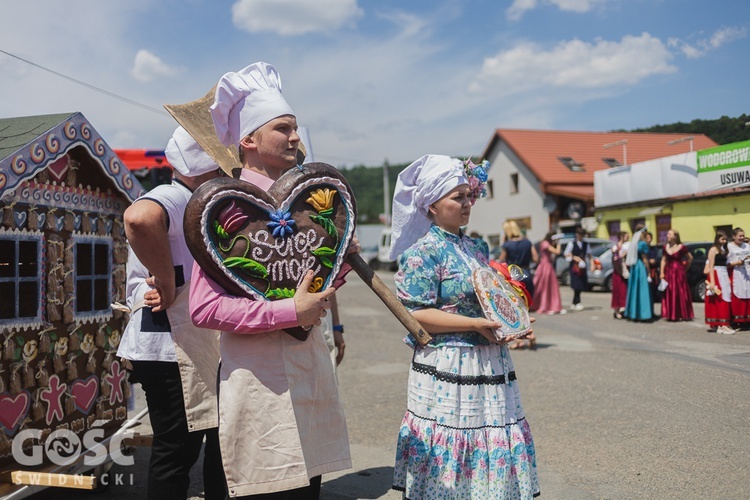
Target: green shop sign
723, 157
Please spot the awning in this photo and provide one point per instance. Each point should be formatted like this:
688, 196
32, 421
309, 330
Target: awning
652, 210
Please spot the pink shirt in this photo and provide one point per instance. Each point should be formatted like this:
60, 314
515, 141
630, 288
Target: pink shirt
212, 307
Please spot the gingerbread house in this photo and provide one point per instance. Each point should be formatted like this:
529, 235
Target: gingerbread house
63, 252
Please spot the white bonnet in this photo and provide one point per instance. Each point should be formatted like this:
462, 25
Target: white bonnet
419, 185
186, 156
246, 100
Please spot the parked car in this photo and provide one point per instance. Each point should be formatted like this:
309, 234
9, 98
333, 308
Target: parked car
601, 276
597, 245
383, 261
695, 276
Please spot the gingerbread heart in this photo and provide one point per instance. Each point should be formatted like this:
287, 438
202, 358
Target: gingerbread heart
13, 410
84, 393
260, 244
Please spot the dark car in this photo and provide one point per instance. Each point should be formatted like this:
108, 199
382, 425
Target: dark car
696, 278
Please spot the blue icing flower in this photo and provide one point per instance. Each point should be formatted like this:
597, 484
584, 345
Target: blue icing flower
282, 224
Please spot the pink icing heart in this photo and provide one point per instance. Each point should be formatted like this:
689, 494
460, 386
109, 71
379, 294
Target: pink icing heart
84, 393
13, 410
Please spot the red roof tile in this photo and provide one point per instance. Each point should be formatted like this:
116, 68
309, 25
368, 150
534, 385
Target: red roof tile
540, 149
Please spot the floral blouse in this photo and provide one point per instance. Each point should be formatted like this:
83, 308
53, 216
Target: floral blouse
436, 272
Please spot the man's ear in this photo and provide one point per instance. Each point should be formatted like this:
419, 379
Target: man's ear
248, 142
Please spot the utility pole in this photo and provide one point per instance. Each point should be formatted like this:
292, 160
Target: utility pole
386, 195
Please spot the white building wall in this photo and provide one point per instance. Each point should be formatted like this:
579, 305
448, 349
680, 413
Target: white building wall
488, 214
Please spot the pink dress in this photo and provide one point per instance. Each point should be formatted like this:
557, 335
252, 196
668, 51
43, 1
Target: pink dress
677, 303
546, 289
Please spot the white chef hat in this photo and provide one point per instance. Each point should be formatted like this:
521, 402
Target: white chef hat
186, 156
418, 186
245, 100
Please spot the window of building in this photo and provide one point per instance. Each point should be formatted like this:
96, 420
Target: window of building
513, 183
612, 162
727, 229
20, 278
93, 275
663, 225
573, 165
490, 189
613, 229
635, 222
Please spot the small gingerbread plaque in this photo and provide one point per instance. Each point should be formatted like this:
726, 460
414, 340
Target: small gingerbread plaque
501, 303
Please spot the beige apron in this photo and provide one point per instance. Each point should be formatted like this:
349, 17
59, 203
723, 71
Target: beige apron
198, 358
280, 418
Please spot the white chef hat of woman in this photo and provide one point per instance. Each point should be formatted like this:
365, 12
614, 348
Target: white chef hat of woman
245, 100
418, 186
186, 156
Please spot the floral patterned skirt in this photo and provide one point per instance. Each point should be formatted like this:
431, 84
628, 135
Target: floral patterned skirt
464, 434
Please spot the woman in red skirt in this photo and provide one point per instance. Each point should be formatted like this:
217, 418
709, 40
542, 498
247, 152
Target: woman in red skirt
677, 303
738, 259
718, 287
619, 275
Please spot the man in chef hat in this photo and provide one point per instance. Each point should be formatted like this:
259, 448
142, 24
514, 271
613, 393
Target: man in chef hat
281, 424
175, 361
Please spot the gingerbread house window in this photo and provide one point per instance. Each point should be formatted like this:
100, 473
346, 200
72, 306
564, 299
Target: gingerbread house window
20, 278
93, 275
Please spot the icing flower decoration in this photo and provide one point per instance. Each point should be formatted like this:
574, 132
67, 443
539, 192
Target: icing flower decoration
477, 175
322, 200
316, 285
230, 220
281, 224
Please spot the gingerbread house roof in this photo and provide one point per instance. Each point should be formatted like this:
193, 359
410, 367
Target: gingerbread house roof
29, 144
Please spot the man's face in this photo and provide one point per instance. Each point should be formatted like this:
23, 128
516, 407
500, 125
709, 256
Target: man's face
277, 142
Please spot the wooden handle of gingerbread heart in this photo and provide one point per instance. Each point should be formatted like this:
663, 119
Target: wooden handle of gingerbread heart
389, 299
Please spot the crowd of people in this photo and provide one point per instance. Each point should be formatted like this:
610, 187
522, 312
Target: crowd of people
640, 280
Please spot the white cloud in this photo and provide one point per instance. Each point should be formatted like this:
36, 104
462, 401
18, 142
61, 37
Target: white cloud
574, 64
520, 7
701, 47
148, 67
294, 17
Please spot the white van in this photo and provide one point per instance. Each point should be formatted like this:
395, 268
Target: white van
384, 248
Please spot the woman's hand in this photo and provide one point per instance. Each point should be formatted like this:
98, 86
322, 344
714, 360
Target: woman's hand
487, 328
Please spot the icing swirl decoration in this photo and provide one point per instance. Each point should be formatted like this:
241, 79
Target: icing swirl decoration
99, 148
127, 182
85, 131
18, 165
70, 130
3, 180
114, 165
52, 143
37, 153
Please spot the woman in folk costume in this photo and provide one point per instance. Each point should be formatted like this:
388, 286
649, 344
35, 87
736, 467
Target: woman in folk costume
464, 434
718, 287
281, 424
677, 302
619, 275
639, 306
739, 262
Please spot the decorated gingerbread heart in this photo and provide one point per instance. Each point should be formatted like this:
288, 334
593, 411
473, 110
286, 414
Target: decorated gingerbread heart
260, 244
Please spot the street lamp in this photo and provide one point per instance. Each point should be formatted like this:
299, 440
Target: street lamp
677, 141
622, 143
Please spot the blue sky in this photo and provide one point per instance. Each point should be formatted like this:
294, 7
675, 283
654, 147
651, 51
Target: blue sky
377, 80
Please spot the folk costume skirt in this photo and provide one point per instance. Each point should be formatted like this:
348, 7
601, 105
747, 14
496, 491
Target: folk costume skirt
464, 434
717, 309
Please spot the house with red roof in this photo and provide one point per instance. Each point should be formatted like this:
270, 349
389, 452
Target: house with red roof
544, 179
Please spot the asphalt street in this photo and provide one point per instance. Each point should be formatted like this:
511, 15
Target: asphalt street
618, 410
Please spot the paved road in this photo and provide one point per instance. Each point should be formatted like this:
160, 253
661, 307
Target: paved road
618, 410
